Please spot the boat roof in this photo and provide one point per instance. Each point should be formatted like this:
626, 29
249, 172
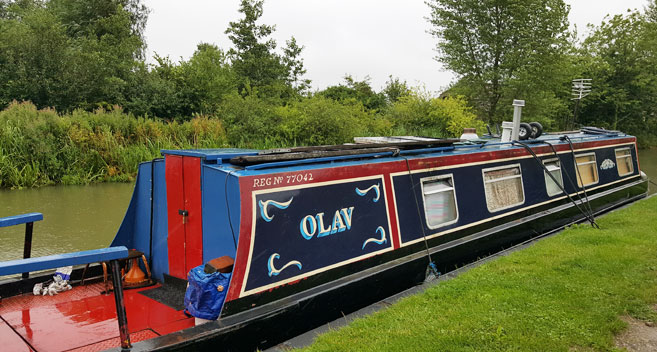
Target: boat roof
375, 149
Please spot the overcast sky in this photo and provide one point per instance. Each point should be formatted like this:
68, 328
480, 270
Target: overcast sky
374, 38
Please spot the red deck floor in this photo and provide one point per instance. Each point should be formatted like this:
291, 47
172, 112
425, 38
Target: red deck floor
82, 320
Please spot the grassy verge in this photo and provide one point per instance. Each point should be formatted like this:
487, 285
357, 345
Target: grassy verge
564, 293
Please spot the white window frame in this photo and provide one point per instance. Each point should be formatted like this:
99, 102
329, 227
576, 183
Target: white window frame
453, 189
624, 156
594, 162
549, 178
522, 184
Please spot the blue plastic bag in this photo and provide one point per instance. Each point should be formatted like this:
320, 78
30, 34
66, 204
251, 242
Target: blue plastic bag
203, 299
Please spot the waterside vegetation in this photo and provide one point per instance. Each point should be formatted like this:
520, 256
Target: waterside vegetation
42, 147
80, 103
564, 293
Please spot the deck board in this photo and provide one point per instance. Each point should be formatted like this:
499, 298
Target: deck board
84, 319
10, 339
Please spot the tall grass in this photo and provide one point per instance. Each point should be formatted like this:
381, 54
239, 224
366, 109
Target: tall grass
41, 147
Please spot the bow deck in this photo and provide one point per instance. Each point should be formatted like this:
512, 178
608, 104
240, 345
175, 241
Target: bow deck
82, 319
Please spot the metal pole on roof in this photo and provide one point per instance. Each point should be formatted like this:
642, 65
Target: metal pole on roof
581, 88
517, 113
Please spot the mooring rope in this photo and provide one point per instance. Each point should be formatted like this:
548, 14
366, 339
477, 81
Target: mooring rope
570, 180
586, 196
589, 217
230, 223
432, 266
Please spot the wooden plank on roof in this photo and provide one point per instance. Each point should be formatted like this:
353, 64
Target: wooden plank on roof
313, 154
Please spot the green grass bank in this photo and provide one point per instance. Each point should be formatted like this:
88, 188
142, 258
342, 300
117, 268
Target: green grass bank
564, 293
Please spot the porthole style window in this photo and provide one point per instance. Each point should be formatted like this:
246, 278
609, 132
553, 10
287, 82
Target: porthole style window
624, 162
440, 207
503, 187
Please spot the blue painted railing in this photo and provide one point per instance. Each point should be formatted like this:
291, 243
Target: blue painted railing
28, 220
20, 219
112, 254
59, 260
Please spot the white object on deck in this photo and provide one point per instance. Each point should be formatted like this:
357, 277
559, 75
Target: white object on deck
469, 134
199, 321
517, 112
507, 127
393, 139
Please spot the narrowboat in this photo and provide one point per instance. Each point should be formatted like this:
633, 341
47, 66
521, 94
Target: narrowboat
306, 234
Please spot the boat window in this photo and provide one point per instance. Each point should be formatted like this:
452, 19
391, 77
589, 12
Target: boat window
439, 200
624, 162
503, 187
587, 170
553, 166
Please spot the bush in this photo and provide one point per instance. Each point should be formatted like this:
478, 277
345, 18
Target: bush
419, 114
40, 147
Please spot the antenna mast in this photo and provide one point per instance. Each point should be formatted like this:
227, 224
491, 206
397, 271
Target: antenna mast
581, 88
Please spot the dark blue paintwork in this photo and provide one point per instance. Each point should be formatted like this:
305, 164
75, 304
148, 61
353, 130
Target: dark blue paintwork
278, 229
135, 230
59, 260
469, 188
20, 219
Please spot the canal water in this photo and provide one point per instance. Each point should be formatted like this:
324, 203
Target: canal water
75, 218
78, 218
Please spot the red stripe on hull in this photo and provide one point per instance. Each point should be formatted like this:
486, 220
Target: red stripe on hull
244, 242
392, 213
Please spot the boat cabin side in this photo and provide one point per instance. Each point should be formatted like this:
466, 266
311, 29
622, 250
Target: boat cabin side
299, 225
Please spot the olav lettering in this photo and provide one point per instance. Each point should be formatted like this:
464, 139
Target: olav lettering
311, 225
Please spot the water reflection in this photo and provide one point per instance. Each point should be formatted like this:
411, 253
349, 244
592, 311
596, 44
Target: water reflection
75, 218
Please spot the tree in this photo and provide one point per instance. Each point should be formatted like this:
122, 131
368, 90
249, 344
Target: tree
395, 89
34, 56
254, 58
651, 11
294, 63
69, 54
622, 62
502, 50
353, 90
208, 78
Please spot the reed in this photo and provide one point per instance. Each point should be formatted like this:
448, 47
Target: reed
41, 147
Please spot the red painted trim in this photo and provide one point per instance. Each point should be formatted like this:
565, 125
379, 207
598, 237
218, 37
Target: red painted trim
243, 244
193, 204
262, 182
173, 166
392, 213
